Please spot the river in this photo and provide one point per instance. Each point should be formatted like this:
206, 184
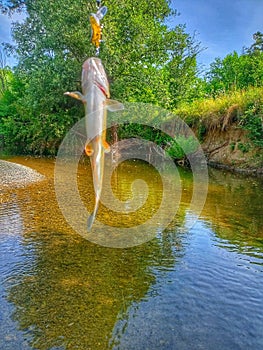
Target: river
190, 287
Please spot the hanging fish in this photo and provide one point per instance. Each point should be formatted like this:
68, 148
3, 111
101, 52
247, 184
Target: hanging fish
96, 98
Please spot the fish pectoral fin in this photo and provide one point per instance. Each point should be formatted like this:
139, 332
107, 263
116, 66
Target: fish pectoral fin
75, 94
106, 146
88, 149
113, 105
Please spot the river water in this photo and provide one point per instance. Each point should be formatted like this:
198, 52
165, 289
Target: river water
190, 287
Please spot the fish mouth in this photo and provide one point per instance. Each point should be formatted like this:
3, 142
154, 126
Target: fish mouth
93, 71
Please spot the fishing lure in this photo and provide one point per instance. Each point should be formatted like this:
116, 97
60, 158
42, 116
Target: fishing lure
96, 27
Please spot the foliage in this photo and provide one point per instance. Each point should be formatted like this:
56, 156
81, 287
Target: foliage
252, 120
130, 130
232, 146
257, 45
243, 147
9, 106
24, 130
182, 146
235, 72
5, 73
177, 148
241, 107
146, 61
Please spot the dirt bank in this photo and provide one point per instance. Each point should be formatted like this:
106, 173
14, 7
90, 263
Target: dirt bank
231, 149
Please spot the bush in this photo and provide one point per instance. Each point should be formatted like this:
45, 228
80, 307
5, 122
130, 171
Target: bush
182, 146
252, 121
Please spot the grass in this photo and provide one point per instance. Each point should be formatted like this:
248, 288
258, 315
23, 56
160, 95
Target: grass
218, 113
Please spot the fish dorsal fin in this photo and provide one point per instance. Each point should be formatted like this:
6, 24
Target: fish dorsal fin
113, 105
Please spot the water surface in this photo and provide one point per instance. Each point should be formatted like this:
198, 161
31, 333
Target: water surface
197, 287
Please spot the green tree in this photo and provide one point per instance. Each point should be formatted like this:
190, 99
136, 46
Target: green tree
235, 72
145, 59
257, 45
10, 111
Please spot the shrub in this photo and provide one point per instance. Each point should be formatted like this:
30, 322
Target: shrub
182, 146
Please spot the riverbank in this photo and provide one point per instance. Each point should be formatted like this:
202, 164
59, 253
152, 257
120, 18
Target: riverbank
232, 150
229, 128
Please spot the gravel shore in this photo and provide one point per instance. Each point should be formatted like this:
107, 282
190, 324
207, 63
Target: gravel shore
17, 175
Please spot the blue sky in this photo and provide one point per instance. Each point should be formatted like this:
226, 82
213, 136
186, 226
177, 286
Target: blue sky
222, 26
5, 32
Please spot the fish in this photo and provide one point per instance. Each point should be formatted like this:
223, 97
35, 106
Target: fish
96, 99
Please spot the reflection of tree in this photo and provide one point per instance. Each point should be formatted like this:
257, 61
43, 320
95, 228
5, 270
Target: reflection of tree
234, 207
70, 292
76, 290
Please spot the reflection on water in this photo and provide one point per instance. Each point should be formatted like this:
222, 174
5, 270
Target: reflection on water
195, 287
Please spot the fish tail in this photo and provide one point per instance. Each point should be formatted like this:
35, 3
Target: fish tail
91, 219
92, 216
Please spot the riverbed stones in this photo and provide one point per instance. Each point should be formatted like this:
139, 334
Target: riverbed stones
17, 175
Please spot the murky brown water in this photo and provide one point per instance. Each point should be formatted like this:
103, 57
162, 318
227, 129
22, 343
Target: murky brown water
197, 287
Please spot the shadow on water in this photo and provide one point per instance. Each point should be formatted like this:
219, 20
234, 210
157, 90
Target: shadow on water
60, 291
